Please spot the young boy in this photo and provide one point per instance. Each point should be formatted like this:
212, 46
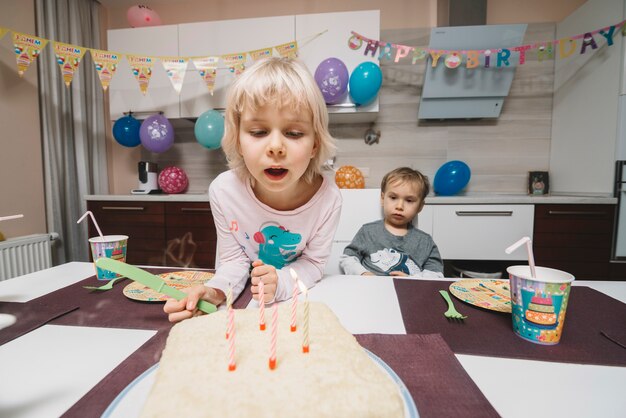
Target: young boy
393, 246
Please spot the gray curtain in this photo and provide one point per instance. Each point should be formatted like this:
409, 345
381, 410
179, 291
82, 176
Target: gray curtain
72, 123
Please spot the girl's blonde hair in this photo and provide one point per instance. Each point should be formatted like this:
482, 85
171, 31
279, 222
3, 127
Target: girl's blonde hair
276, 82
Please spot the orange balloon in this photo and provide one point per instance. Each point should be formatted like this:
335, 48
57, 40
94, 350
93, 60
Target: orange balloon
349, 177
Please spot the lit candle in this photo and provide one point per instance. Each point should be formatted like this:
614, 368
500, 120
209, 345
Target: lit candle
231, 339
294, 299
261, 306
273, 336
305, 328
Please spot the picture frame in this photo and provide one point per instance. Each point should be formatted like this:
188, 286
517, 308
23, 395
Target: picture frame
538, 183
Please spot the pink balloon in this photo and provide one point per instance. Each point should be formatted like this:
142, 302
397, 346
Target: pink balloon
173, 180
140, 15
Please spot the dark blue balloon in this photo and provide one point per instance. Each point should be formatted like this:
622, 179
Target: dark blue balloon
451, 178
126, 131
365, 81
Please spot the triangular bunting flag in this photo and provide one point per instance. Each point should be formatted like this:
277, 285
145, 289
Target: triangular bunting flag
106, 65
175, 68
207, 68
3, 31
142, 70
288, 50
260, 53
236, 63
68, 58
27, 48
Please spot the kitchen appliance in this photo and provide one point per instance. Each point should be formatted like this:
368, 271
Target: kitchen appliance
148, 178
619, 236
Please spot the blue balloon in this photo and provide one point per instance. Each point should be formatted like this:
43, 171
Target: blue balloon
126, 131
451, 178
209, 129
365, 81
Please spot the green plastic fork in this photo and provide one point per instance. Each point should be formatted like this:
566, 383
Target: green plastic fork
451, 312
107, 286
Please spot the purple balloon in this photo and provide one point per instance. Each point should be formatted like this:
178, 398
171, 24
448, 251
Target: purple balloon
332, 78
156, 133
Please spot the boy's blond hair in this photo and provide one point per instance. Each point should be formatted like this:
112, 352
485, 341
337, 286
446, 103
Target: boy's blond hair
404, 174
277, 82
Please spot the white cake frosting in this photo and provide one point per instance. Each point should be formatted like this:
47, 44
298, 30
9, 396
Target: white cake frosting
337, 378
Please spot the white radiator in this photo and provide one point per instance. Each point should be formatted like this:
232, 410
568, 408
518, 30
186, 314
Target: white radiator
27, 254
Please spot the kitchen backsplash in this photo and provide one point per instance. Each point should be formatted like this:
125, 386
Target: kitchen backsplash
500, 152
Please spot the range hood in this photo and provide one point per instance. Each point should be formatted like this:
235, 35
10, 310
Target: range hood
475, 92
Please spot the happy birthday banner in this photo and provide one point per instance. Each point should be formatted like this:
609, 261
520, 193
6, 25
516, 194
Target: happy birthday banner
28, 47
454, 58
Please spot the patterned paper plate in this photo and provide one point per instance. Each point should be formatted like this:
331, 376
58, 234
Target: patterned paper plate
178, 279
489, 294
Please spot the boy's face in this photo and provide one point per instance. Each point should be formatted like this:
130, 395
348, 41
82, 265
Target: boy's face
277, 145
401, 202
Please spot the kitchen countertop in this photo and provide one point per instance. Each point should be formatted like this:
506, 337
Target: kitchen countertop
462, 199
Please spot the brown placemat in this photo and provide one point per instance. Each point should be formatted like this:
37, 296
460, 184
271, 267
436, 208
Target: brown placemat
29, 317
490, 333
437, 381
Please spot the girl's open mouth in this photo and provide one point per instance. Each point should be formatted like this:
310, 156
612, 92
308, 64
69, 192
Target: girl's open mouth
276, 173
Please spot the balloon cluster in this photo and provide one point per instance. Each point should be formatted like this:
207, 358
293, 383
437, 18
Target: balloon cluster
451, 178
363, 84
155, 133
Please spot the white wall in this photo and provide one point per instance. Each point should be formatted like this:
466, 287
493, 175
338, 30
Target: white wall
584, 122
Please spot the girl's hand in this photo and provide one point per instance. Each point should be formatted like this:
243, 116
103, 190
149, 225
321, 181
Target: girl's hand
269, 276
178, 310
398, 273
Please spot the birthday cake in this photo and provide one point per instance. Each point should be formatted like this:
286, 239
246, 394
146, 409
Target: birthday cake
336, 378
541, 311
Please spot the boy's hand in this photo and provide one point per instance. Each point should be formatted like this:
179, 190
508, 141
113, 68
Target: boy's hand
398, 273
367, 273
269, 276
178, 310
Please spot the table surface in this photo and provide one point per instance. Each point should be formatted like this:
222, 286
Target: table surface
52, 367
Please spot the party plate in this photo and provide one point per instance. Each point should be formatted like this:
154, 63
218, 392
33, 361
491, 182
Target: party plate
178, 279
129, 402
489, 294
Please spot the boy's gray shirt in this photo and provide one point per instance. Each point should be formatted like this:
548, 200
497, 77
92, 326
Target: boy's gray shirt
377, 250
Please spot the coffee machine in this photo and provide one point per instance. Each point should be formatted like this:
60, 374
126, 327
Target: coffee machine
148, 178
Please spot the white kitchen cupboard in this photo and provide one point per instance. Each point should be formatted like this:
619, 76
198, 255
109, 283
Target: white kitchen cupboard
224, 37
481, 232
232, 36
585, 104
124, 93
334, 43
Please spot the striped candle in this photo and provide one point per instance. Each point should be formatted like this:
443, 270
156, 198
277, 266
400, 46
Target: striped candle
231, 339
274, 336
305, 328
294, 300
261, 306
229, 303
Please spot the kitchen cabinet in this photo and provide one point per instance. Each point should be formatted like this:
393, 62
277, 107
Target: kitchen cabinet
174, 234
333, 43
575, 238
480, 232
231, 36
124, 93
224, 37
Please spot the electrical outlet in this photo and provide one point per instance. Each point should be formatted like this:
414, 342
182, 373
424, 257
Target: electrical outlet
365, 171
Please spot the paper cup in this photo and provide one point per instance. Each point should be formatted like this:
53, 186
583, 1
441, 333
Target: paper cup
539, 304
110, 246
